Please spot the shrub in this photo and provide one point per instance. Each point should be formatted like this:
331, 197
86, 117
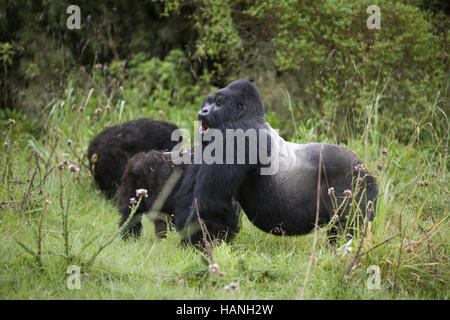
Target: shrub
325, 56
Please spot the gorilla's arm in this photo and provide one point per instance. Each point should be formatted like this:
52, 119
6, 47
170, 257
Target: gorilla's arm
213, 186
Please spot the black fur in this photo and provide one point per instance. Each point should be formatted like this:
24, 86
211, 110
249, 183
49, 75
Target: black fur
283, 204
110, 150
149, 171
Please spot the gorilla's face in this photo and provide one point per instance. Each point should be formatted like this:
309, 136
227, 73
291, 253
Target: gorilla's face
239, 101
217, 109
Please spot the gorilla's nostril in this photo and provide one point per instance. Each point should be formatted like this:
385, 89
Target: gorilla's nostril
205, 111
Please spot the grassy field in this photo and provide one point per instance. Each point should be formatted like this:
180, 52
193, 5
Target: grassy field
407, 243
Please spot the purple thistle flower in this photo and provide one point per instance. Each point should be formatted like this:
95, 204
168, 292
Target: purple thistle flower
347, 193
232, 286
214, 268
331, 191
73, 168
133, 200
69, 142
141, 193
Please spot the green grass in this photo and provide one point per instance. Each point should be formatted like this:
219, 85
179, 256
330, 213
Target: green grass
411, 226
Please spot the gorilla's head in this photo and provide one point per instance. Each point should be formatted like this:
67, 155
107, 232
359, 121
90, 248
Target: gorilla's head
237, 103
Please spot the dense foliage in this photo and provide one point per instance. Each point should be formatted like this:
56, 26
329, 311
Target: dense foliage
324, 55
317, 56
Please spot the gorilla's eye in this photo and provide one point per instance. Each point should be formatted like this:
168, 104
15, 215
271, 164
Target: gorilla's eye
240, 106
219, 101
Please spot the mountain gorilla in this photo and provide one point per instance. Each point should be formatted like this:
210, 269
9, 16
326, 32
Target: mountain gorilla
110, 150
282, 203
149, 171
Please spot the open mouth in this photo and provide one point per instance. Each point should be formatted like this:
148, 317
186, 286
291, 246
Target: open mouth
203, 128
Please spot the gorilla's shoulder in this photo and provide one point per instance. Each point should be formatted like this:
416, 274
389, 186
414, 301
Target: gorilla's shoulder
333, 156
143, 122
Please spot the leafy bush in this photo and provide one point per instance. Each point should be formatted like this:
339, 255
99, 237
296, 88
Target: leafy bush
312, 60
325, 56
45, 51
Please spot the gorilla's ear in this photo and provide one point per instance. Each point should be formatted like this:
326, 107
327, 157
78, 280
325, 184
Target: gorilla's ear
241, 110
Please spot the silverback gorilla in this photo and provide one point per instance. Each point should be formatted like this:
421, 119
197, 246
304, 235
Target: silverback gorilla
110, 150
283, 203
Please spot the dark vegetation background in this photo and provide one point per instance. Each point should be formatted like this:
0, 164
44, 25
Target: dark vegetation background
317, 56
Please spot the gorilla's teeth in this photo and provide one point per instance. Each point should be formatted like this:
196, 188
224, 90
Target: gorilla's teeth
203, 129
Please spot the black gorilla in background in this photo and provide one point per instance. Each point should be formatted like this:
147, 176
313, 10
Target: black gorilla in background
283, 203
110, 150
